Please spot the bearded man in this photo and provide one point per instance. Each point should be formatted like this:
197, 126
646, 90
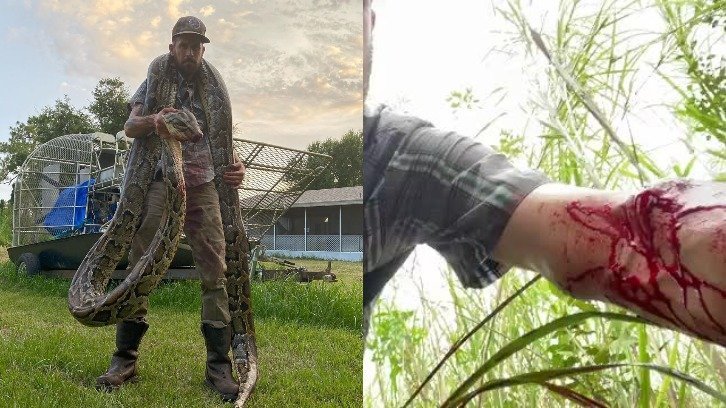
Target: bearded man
183, 69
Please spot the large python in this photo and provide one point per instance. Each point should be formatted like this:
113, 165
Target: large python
87, 298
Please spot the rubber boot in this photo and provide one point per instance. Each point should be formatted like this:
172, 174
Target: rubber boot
218, 374
123, 361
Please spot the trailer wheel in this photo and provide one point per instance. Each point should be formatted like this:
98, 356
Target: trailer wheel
28, 264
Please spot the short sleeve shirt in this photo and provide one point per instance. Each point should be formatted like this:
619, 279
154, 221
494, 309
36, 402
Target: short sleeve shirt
424, 185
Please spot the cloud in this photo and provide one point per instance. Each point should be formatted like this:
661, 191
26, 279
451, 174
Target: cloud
293, 68
173, 8
207, 11
15, 33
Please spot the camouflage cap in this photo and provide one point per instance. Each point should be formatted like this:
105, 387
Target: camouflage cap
190, 25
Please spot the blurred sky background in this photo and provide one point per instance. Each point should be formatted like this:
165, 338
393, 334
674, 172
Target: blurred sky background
293, 68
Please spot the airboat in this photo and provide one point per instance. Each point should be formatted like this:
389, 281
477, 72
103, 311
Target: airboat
68, 188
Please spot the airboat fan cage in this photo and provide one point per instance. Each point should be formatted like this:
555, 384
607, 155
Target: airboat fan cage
68, 185
276, 177
71, 184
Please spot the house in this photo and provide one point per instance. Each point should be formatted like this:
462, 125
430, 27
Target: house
325, 224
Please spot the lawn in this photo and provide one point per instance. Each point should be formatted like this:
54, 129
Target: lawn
309, 340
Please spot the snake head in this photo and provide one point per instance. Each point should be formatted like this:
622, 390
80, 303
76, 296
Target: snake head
183, 126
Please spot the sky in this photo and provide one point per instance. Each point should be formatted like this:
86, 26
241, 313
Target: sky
293, 68
423, 52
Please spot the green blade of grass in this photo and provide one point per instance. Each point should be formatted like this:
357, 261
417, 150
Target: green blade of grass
537, 377
541, 377
589, 104
672, 357
464, 338
574, 396
644, 395
524, 340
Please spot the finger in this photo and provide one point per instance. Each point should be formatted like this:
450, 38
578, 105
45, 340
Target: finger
233, 182
158, 127
232, 178
163, 132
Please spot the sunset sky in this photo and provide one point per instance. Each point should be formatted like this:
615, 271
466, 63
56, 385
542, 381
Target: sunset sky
293, 68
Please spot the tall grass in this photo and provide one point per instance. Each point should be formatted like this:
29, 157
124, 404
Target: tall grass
597, 60
6, 224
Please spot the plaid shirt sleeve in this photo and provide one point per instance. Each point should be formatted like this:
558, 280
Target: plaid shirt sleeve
138, 97
423, 185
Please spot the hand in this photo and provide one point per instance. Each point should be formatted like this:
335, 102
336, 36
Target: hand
235, 174
160, 125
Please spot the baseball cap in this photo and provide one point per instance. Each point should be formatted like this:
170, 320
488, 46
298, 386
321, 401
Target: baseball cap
190, 25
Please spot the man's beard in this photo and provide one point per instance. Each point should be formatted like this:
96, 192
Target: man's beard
188, 68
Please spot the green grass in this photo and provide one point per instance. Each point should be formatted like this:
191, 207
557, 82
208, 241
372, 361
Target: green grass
309, 340
6, 224
405, 346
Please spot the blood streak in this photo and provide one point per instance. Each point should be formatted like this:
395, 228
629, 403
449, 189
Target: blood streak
632, 228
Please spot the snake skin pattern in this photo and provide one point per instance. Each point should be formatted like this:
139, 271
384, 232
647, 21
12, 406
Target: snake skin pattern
87, 299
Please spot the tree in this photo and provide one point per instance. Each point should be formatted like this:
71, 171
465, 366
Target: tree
346, 169
109, 105
52, 121
109, 115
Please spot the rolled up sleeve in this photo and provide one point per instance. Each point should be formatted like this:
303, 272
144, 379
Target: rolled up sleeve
429, 186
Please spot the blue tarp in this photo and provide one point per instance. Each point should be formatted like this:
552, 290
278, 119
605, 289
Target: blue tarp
69, 211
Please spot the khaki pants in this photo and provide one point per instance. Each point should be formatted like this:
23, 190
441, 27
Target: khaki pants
203, 228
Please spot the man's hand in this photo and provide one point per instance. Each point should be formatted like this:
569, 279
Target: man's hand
235, 174
160, 125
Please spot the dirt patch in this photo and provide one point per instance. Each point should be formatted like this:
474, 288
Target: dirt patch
4, 254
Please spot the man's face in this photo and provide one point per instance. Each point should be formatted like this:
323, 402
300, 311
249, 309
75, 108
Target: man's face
187, 50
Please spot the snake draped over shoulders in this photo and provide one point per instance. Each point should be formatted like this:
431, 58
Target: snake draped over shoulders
88, 301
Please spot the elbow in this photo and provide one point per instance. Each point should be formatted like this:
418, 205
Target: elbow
132, 129
128, 130
137, 125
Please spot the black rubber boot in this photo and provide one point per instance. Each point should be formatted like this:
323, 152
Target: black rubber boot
123, 362
218, 374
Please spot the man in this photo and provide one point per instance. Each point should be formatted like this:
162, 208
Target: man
660, 252
203, 222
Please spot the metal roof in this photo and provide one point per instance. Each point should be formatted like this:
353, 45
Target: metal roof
331, 196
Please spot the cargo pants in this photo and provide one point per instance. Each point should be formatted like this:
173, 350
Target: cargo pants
203, 229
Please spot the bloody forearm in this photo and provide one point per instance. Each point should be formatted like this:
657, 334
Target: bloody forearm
660, 253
